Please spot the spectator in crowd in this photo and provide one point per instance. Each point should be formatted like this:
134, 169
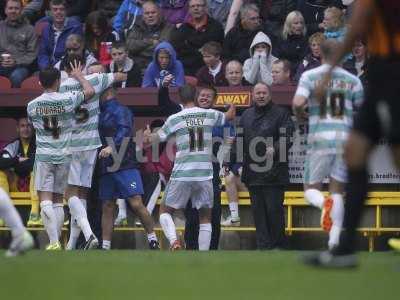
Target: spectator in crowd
239, 38
333, 24
18, 44
233, 185
75, 44
146, 34
127, 16
55, 33
32, 10
199, 29
78, 8
293, 44
174, 12
213, 73
234, 74
219, 10
122, 63
258, 67
109, 7
165, 69
265, 167
281, 72
358, 63
276, 15
313, 12
16, 166
116, 121
99, 36
313, 59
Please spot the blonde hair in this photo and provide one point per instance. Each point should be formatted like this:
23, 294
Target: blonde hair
337, 15
319, 37
288, 23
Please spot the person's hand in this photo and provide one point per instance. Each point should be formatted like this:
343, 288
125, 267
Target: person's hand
147, 135
8, 61
167, 80
22, 159
322, 26
105, 152
226, 169
76, 69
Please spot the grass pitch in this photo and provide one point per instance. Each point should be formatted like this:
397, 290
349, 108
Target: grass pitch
147, 275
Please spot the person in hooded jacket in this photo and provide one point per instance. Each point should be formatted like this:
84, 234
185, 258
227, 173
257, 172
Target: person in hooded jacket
258, 67
164, 66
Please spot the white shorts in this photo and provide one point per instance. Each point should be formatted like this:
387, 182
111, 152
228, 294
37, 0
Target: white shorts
51, 177
82, 167
177, 194
319, 166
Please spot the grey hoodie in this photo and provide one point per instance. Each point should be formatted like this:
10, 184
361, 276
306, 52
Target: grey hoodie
258, 69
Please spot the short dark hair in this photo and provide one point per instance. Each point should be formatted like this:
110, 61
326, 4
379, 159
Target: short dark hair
70, 58
118, 45
19, 1
49, 76
208, 87
187, 93
58, 2
285, 63
213, 48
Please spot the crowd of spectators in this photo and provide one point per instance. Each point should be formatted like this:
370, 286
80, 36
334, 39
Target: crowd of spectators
154, 40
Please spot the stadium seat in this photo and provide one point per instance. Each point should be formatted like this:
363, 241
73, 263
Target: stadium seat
31, 83
5, 83
191, 80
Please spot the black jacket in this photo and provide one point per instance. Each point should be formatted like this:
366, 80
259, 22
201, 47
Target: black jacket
187, 42
271, 121
294, 49
10, 154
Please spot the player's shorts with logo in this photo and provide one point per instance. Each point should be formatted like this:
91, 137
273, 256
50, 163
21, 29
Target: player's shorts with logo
82, 168
319, 166
177, 194
379, 114
51, 177
123, 184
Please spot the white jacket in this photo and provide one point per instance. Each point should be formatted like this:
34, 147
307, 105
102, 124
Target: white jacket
258, 69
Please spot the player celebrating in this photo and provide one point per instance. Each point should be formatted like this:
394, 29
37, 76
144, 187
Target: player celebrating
52, 115
378, 116
21, 238
192, 174
329, 124
84, 143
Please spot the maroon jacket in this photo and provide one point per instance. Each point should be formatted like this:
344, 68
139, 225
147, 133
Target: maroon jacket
206, 79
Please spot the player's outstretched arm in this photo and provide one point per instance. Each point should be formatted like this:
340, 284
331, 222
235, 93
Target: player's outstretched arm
298, 106
231, 113
87, 88
120, 77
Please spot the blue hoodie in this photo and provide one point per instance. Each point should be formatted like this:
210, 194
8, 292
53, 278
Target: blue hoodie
154, 75
50, 53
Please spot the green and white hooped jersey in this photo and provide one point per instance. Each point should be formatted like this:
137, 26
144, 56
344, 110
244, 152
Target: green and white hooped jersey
192, 128
85, 135
331, 120
52, 116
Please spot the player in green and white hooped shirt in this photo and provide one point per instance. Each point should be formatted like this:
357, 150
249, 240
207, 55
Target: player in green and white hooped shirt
84, 143
52, 116
192, 174
330, 121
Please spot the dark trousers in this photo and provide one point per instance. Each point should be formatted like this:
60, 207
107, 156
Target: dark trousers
192, 222
269, 216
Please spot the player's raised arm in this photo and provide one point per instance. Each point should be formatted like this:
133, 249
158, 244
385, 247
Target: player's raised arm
298, 106
120, 77
231, 113
87, 88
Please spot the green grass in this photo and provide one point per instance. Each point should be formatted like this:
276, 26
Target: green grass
192, 275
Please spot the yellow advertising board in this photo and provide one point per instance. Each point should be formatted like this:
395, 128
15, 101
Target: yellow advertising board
240, 99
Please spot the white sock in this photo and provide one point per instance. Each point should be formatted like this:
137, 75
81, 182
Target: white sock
10, 215
152, 237
106, 245
168, 227
205, 237
58, 209
73, 235
153, 199
49, 220
121, 208
314, 197
337, 214
78, 212
234, 208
